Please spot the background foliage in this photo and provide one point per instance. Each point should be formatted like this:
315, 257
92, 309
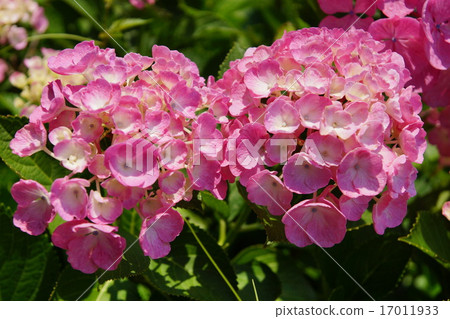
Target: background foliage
223, 252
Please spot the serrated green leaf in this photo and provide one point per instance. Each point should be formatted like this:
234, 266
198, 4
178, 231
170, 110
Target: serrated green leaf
236, 52
133, 263
39, 167
23, 262
188, 272
430, 235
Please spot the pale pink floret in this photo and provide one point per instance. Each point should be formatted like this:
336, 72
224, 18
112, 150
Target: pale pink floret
281, 117
401, 177
266, 189
87, 127
97, 167
127, 120
316, 78
324, 150
337, 122
17, 37
314, 222
158, 231
133, 163
38, 20
361, 173
73, 61
69, 197
204, 173
29, 139
310, 108
413, 143
303, 176
90, 246
52, 99
149, 206
389, 212
34, 211
59, 134
353, 208
207, 139
156, 123
73, 154
184, 100
261, 80
173, 184
103, 210
173, 154
116, 74
280, 147
129, 196
99, 96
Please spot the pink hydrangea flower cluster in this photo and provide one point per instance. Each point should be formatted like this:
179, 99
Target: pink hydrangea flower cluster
416, 29
326, 115
126, 135
16, 13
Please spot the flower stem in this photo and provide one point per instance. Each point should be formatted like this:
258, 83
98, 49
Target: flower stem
212, 260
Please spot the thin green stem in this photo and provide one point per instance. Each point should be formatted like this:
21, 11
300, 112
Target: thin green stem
212, 260
65, 36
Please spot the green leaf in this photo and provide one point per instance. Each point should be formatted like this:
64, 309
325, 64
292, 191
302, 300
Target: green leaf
7, 102
375, 262
188, 272
73, 285
267, 284
236, 202
430, 235
287, 264
119, 290
216, 205
131, 222
133, 263
39, 167
236, 52
24, 261
121, 25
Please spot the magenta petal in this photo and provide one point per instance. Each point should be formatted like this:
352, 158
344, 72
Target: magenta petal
389, 212
320, 221
301, 176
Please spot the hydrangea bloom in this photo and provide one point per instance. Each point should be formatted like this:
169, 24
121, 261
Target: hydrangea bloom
15, 17
350, 131
130, 124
